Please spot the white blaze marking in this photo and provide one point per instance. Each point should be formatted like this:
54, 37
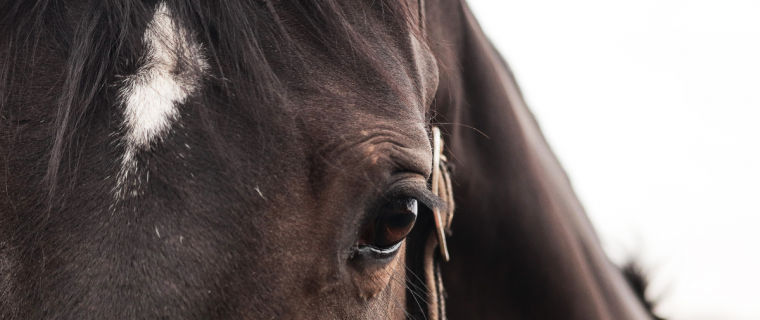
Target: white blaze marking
150, 96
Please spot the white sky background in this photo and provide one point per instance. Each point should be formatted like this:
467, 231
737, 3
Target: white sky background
653, 107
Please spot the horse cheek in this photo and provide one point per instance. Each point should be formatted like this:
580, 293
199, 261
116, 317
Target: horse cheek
378, 279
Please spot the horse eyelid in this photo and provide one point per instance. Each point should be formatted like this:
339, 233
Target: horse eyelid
416, 190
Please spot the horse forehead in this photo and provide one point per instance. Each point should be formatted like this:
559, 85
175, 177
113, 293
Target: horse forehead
393, 104
398, 87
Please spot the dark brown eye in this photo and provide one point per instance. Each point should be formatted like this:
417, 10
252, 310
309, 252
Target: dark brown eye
393, 223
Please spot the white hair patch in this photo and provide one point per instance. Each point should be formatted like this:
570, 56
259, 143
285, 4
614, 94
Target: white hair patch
172, 71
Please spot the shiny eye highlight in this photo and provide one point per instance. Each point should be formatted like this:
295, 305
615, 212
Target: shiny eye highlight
392, 225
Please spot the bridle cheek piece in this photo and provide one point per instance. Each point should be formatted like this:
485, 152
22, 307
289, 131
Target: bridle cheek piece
441, 187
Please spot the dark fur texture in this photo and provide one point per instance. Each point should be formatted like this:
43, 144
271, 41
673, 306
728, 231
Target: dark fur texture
312, 115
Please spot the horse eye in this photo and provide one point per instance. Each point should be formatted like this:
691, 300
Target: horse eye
393, 223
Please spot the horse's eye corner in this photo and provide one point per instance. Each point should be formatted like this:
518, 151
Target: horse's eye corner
382, 237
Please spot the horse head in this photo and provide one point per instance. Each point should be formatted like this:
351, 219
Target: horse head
279, 159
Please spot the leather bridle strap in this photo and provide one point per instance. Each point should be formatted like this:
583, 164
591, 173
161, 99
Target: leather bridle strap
441, 186
441, 189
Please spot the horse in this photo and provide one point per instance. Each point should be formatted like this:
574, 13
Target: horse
266, 159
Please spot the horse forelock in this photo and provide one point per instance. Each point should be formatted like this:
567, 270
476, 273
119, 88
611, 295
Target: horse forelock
106, 48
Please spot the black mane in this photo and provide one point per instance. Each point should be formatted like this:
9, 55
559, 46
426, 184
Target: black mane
637, 278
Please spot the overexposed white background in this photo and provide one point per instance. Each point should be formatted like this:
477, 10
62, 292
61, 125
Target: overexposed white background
653, 108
